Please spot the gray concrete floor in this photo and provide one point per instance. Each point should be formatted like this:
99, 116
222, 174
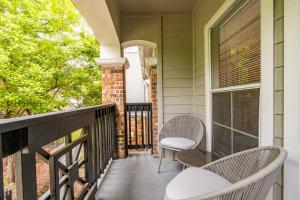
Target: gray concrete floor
136, 178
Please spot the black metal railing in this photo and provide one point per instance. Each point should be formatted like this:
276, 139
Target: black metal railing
138, 125
74, 165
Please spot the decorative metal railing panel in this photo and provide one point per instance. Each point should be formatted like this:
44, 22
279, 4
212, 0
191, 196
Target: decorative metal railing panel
138, 125
74, 165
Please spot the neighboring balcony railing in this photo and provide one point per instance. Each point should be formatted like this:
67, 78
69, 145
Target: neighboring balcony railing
84, 142
138, 126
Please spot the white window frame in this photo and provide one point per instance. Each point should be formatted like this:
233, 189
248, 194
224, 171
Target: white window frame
266, 104
266, 84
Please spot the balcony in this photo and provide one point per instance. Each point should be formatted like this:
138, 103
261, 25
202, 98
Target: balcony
78, 162
205, 58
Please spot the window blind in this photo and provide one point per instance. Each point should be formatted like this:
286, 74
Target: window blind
236, 62
238, 47
235, 121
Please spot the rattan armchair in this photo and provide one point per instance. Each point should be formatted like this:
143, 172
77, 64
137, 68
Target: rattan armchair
180, 133
251, 174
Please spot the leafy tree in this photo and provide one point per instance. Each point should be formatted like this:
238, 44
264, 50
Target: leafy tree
46, 58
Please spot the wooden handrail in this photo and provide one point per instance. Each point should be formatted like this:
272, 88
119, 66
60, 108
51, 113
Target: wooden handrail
30, 120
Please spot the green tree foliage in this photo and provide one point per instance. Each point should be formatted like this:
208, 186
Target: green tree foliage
46, 58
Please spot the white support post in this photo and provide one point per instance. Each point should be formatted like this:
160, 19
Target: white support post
292, 98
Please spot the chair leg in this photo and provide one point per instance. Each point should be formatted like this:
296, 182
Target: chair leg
173, 155
161, 156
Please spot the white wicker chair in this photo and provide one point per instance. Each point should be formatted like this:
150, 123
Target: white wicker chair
251, 174
180, 133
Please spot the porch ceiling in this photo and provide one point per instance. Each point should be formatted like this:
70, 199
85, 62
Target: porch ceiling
157, 5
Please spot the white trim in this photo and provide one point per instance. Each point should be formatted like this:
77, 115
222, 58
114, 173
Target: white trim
138, 43
292, 99
235, 130
160, 105
208, 95
237, 88
267, 70
117, 62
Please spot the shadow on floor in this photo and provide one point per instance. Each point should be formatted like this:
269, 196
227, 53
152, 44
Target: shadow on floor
136, 178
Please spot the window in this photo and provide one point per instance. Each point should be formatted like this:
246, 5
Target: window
236, 78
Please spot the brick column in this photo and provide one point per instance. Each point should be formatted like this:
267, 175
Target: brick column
153, 99
114, 91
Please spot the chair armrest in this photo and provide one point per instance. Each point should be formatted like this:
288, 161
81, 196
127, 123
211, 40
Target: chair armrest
250, 161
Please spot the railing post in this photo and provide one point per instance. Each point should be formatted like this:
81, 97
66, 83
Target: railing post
114, 134
25, 171
90, 155
151, 129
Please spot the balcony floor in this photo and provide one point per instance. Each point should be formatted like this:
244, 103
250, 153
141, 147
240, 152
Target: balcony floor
136, 178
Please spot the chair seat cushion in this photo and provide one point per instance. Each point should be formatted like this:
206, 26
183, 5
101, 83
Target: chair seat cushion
194, 182
178, 143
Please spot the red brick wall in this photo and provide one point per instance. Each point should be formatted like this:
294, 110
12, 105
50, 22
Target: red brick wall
113, 91
153, 99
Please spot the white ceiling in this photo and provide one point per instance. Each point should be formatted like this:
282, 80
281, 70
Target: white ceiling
157, 5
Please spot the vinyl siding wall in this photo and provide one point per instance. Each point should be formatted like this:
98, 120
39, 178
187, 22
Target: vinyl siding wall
177, 66
173, 35
278, 86
203, 11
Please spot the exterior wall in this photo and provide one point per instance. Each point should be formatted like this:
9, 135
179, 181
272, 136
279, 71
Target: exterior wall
173, 35
177, 66
202, 13
134, 78
278, 85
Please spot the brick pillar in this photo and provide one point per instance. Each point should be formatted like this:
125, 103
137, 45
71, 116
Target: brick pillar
153, 99
114, 91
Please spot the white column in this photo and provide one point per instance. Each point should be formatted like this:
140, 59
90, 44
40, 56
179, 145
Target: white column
266, 122
99, 18
292, 98
267, 69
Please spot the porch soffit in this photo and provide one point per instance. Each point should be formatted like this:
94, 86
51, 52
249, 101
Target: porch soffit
128, 6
